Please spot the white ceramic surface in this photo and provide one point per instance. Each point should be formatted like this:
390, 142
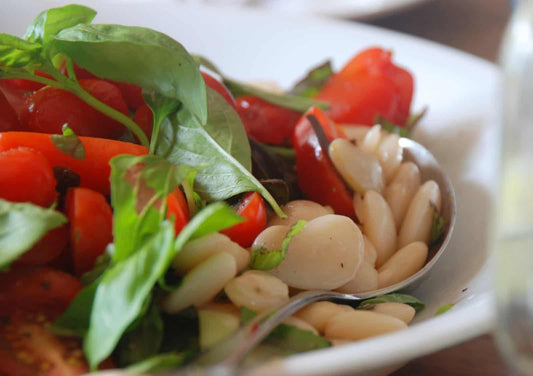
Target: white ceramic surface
460, 129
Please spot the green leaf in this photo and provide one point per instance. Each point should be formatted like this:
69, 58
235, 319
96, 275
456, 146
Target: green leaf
182, 332
437, 225
76, 319
140, 56
21, 226
395, 298
158, 363
18, 53
444, 308
264, 259
139, 187
50, 22
220, 151
288, 339
122, 291
69, 143
312, 83
161, 108
390, 127
414, 119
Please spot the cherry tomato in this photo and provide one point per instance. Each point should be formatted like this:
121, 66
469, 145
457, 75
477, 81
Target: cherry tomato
219, 87
16, 98
177, 207
369, 85
46, 249
144, 119
48, 109
317, 177
26, 176
252, 209
91, 225
8, 117
27, 85
94, 170
132, 94
266, 122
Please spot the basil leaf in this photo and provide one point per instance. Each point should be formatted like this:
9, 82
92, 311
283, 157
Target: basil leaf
50, 22
390, 127
161, 108
444, 308
76, 319
264, 259
18, 53
158, 363
21, 226
220, 151
312, 83
437, 225
122, 291
182, 332
140, 56
414, 119
395, 298
69, 143
139, 187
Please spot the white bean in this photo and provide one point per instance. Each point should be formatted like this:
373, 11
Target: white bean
372, 138
416, 225
403, 264
300, 209
378, 225
202, 248
366, 279
215, 326
371, 254
202, 283
355, 132
325, 254
300, 324
401, 311
271, 237
257, 290
359, 169
360, 324
223, 307
390, 155
319, 313
401, 190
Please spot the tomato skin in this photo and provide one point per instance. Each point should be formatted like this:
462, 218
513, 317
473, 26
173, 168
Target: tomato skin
252, 209
369, 85
91, 227
26, 176
46, 249
132, 94
144, 118
266, 122
219, 87
9, 120
94, 170
48, 109
317, 177
177, 207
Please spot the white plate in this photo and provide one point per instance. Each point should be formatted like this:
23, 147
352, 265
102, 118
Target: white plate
460, 128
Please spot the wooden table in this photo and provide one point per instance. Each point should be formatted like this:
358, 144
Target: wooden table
474, 26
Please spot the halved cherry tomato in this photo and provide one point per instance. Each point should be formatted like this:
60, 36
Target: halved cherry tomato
16, 98
48, 109
91, 227
252, 209
9, 120
369, 85
177, 207
26, 176
266, 122
46, 249
144, 119
94, 170
27, 85
317, 177
219, 87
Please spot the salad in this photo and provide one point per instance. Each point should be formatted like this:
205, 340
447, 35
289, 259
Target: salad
149, 204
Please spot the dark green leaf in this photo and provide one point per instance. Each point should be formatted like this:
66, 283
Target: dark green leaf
102, 263
444, 308
264, 259
140, 56
22, 225
437, 225
414, 119
395, 298
76, 319
122, 291
69, 143
18, 53
50, 22
161, 108
182, 332
312, 83
158, 363
392, 128
220, 151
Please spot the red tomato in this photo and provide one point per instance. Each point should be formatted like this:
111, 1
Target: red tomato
369, 85
219, 87
46, 249
91, 225
317, 177
81, 73
16, 98
48, 109
8, 117
177, 207
132, 94
144, 119
266, 122
252, 209
27, 85
26, 176
94, 170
